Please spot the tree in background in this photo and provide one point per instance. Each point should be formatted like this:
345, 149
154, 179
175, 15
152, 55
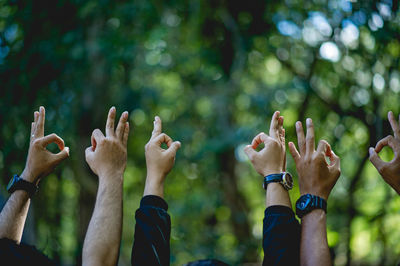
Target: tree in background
214, 71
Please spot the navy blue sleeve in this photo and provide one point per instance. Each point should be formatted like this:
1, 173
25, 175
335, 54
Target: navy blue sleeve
152, 233
281, 236
15, 254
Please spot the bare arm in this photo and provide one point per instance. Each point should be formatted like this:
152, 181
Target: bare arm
40, 162
271, 160
107, 158
318, 178
314, 248
390, 171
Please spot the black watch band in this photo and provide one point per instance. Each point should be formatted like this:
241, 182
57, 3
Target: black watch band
285, 179
308, 203
17, 183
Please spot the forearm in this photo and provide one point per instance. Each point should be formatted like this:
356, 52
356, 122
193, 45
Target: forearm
276, 194
13, 216
103, 238
314, 245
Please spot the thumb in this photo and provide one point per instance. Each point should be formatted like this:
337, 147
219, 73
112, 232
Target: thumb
375, 159
62, 155
293, 151
174, 147
88, 152
250, 152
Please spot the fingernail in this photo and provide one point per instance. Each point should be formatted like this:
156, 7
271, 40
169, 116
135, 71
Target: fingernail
298, 123
371, 150
67, 149
308, 121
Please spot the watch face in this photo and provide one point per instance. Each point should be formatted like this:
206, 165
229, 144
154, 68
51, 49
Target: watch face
12, 182
303, 203
288, 180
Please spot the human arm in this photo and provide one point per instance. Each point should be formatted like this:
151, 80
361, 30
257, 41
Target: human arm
153, 224
318, 178
390, 171
107, 159
40, 162
281, 231
271, 160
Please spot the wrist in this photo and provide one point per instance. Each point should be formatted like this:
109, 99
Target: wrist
27, 175
270, 171
111, 179
154, 187
316, 214
315, 192
156, 177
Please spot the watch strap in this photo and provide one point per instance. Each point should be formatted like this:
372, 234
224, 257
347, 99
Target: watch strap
21, 184
271, 179
304, 206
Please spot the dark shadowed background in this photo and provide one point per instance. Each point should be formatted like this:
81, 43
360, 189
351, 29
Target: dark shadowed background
214, 71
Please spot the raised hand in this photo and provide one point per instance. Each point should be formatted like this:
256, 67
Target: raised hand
40, 161
108, 154
316, 175
107, 158
390, 171
271, 159
159, 161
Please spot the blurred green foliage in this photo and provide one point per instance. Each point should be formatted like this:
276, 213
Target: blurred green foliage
214, 71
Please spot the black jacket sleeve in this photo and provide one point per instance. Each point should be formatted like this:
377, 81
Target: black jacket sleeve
15, 254
281, 236
152, 233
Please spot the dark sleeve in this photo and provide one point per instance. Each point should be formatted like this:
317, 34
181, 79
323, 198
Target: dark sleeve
15, 254
152, 233
281, 236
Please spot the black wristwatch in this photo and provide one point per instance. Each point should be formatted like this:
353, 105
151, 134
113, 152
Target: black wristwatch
307, 203
284, 178
17, 183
